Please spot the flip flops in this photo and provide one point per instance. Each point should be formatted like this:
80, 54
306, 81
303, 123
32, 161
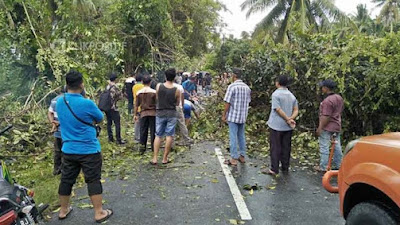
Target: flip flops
229, 163
109, 214
269, 172
165, 163
70, 209
153, 163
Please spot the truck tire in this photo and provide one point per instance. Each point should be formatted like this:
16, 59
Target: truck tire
369, 213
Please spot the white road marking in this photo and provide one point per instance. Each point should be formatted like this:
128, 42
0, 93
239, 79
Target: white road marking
237, 196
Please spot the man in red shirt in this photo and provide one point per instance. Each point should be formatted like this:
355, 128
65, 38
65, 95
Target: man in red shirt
330, 125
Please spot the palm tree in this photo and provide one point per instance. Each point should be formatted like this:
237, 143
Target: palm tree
313, 14
363, 19
389, 13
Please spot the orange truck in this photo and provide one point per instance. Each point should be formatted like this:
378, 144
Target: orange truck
369, 181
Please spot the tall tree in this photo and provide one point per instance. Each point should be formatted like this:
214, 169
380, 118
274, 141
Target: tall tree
363, 19
312, 14
390, 14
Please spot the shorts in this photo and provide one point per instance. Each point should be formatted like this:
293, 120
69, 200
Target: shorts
91, 167
165, 126
187, 111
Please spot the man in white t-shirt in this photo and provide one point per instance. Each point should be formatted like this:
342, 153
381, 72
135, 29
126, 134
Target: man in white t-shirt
181, 118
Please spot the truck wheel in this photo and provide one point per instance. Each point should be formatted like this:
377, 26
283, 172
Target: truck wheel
367, 213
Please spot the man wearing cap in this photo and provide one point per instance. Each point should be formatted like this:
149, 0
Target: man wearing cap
330, 125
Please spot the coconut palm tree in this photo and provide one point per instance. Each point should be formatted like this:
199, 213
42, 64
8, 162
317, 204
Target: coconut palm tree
390, 13
313, 14
363, 19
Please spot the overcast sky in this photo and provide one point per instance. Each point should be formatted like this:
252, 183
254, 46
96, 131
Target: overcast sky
237, 22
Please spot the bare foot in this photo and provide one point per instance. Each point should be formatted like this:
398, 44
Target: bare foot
242, 159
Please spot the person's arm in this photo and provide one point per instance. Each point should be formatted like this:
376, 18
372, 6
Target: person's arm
182, 99
178, 96
96, 113
324, 118
227, 99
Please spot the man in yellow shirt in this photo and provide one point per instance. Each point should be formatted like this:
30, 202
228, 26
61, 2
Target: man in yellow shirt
136, 88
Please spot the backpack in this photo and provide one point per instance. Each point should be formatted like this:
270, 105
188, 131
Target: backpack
105, 100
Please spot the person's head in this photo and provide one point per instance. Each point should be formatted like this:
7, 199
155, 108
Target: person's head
327, 86
139, 77
74, 81
282, 81
112, 77
170, 74
192, 79
236, 74
146, 80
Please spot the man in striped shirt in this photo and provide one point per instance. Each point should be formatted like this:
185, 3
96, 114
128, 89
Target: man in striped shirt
237, 99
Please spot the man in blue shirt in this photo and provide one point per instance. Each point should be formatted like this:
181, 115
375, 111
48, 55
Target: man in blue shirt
81, 149
190, 85
281, 122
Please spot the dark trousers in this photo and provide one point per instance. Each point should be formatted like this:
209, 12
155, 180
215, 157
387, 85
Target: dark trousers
113, 117
280, 149
91, 168
147, 123
57, 156
130, 105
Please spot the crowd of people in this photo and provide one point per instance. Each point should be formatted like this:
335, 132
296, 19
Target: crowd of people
159, 108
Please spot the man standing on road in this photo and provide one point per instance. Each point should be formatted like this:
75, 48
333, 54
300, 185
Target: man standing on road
138, 86
237, 100
53, 118
113, 115
129, 83
168, 97
81, 148
284, 111
330, 125
181, 118
146, 100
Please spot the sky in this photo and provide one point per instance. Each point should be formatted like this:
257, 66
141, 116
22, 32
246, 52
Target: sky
236, 19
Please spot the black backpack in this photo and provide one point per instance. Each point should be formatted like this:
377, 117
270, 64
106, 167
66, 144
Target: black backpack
105, 101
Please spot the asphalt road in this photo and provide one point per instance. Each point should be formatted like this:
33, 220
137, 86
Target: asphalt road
193, 190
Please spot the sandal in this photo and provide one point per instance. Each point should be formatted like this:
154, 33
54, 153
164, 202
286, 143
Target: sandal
153, 163
66, 215
165, 163
268, 172
229, 163
242, 159
318, 169
109, 214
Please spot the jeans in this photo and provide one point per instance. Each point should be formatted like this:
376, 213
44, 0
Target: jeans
280, 149
146, 123
208, 90
237, 136
165, 126
113, 116
324, 148
137, 130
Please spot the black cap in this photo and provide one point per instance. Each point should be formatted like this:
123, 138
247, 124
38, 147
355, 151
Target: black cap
328, 83
113, 77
